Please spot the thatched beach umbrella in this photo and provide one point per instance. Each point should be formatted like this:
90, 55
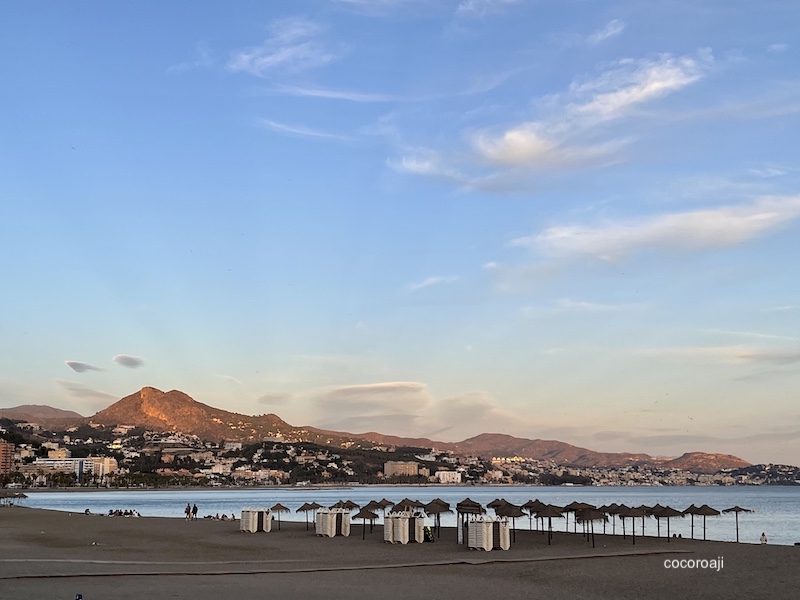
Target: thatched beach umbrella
305, 508
666, 512
435, 508
706, 511
736, 510
549, 512
573, 507
365, 514
407, 504
691, 512
532, 506
496, 502
630, 513
513, 512
590, 515
466, 507
278, 509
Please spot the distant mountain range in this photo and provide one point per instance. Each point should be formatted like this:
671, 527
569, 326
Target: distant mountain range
176, 411
47, 416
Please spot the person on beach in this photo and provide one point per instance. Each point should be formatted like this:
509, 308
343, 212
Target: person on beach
188, 511
763, 538
194, 512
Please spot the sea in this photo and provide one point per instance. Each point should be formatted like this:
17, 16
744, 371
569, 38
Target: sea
776, 508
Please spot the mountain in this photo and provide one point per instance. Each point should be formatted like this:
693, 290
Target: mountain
176, 411
701, 462
46, 416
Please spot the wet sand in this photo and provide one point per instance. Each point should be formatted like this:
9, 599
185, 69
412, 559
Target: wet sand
48, 554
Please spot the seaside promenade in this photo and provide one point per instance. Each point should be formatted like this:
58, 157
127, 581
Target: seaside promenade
49, 554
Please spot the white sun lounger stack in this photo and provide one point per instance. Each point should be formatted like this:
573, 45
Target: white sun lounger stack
501, 534
388, 529
480, 534
417, 529
399, 524
256, 519
326, 523
341, 521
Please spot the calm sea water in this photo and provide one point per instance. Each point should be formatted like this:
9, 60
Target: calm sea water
777, 509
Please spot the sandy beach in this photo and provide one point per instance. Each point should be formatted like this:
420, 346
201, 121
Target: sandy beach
47, 555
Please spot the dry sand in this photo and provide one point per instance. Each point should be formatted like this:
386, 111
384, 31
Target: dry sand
55, 555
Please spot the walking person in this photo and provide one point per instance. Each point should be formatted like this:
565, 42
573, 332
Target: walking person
194, 512
188, 511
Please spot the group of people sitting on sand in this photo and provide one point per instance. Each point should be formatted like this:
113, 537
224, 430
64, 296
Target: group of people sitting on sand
118, 513
224, 517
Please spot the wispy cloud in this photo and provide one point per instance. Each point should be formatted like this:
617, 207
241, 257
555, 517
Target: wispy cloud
711, 228
81, 367
777, 47
568, 135
431, 281
292, 46
729, 354
338, 94
578, 305
128, 361
751, 334
769, 171
84, 392
299, 130
202, 60
611, 29
480, 8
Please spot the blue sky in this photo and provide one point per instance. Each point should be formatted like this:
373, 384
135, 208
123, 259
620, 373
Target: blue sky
571, 220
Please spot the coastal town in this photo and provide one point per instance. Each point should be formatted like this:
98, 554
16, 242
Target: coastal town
128, 456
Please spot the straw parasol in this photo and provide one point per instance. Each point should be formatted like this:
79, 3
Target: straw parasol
647, 511
365, 514
466, 507
590, 515
573, 507
736, 510
408, 504
665, 512
706, 511
435, 508
513, 512
278, 509
549, 512
9, 497
306, 508
623, 512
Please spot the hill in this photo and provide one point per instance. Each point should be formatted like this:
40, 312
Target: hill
46, 416
176, 411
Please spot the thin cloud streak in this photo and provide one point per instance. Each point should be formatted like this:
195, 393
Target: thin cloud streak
432, 281
612, 29
128, 361
711, 228
299, 130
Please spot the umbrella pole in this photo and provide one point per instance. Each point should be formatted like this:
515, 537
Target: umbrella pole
704, 528
667, 529
737, 527
692, 525
623, 527
633, 531
592, 526
658, 527
306, 520
363, 529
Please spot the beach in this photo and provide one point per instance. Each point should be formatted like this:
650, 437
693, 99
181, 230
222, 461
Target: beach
51, 554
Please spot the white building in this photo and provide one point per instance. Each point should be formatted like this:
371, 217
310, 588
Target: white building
448, 476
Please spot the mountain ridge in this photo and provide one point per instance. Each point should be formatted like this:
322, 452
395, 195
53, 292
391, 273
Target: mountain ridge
176, 411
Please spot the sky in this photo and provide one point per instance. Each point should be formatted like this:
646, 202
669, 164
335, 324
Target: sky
555, 219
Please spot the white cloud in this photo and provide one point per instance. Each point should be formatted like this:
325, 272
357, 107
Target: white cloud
299, 130
480, 8
350, 95
202, 60
578, 305
769, 171
292, 46
611, 29
717, 227
430, 281
567, 137
777, 47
